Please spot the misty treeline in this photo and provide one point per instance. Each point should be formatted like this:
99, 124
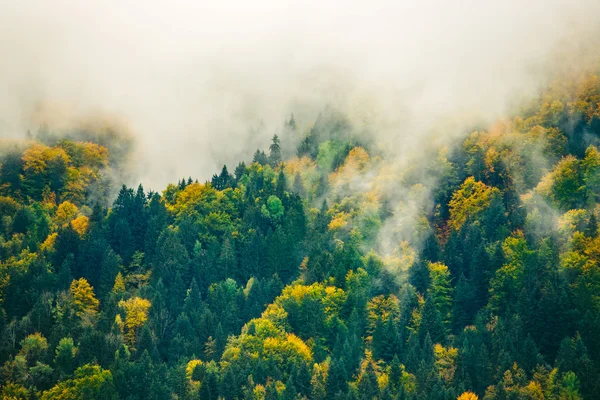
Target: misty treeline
276, 279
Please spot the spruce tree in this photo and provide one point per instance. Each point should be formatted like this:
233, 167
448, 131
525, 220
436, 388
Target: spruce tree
275, 152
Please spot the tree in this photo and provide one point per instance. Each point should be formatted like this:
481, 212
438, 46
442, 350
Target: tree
567, 184
119, 285
591, 173
274, 209
431, 322
222, 181
228, 258
89, 382
290, 392
136, 314
468, 396
468, 201
281, 186
291, 123
298, 185
336, 379
260, 157
463, 309
65, 356
419, 276
84, 301
170, 257
570, 387
368, 388
591, 229
573, 356
440, 290
274, 152
34, 347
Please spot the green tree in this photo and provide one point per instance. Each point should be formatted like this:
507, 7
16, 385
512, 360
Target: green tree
65, 356
440, 290
275, 152
89, 382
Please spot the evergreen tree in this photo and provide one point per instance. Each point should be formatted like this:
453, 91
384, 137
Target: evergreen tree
281, 187
336, 378
260, 157
368, 388
299, 186
275, 152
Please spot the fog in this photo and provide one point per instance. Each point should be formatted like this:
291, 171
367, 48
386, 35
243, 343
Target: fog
194, 80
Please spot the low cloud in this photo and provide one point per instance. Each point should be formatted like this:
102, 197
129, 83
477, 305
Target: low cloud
194, 81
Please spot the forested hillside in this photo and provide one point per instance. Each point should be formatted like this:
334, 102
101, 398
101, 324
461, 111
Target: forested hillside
332, 271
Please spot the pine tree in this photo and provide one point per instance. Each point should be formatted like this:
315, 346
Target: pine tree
291, 123
302, 379
227, 259
395, 374
275, 152
229, 385
281, 186
299, 186
418, 276
336, 378
240, 170
260, 157
147, 343
592, 227
290, 392
431, 322
271, 391
368, 388
463, 309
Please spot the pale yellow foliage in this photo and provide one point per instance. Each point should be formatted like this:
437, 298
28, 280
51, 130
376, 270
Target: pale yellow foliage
333, 300
94, 154
568, 222
280, 350
191, 365
298, 165
383, 380
384, 307
544, 187
276, 314
48, 244
357, 161
65, 213
259, 392
119, 323
472, 197
445, 361
339, 221
136, 314
84, 300
37, 156
357, 158
119, 286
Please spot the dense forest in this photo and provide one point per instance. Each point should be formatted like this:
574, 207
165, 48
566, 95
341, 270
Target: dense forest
324, 268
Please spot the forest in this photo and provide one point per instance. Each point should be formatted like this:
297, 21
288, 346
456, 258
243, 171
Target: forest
322, 268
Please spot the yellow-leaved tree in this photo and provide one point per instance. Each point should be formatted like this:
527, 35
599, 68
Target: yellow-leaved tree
119, 286
65, 213
468, 396
136, 314
85, 302
468, 201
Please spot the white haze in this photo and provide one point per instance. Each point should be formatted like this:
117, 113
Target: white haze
191, 78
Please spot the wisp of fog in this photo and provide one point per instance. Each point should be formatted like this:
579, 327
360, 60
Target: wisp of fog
200, 84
